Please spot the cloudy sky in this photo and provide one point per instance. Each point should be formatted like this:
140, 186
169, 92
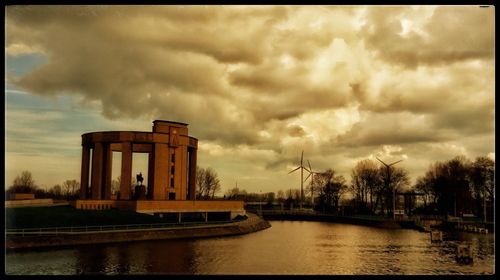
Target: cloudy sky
257, 85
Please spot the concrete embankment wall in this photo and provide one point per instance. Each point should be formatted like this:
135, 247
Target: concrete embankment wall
252, 224
335, 219
29, 202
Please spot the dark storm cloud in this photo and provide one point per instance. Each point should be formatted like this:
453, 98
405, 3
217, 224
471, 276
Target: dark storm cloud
394, 128
471, 120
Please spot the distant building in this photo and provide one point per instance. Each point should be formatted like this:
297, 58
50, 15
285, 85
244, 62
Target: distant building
26, 200
20, 196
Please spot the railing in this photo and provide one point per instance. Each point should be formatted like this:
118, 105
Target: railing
106, 228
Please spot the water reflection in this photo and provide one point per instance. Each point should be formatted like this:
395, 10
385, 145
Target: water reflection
167, 256
288, 247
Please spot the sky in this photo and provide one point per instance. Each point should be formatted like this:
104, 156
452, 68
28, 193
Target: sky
256, 84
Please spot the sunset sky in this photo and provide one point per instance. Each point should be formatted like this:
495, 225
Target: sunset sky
256, 84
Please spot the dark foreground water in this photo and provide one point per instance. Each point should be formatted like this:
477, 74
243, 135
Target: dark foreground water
288, 247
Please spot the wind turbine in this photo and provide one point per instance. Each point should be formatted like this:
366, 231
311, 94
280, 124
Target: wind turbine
387, 182
311, 173
301, 167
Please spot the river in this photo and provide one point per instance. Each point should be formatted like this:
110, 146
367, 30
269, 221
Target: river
288, 247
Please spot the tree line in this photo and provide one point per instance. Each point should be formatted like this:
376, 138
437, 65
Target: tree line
453, 187
24, 183
207, 186
459, 186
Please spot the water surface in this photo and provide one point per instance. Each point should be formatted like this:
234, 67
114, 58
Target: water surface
288, 247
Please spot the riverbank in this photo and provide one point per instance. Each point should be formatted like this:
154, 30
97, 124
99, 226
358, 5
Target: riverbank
421, 223
379, 222
252, 224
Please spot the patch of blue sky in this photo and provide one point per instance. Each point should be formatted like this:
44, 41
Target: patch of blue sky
48, 124
22, 64
68, 107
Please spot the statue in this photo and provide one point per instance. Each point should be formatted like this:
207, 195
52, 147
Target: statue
140, 190
139, 178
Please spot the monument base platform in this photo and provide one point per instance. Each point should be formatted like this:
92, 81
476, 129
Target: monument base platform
152, 207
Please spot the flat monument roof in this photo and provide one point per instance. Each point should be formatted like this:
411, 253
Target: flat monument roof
172, 122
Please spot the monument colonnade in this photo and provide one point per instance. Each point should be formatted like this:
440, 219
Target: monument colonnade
171, 162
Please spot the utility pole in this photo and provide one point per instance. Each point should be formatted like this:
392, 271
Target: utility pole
388, 180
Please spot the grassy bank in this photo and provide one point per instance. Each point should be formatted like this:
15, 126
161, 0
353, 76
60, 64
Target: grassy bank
67, 216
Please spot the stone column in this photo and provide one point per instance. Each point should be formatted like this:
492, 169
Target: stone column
151, 174
96, 182
84, 180
192, 173
161, 179
108, 164
126, 174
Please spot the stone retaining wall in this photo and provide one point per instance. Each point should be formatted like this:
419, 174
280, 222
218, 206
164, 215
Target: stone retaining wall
252, 224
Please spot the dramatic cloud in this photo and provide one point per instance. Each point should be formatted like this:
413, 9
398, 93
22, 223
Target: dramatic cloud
430, 35
259, 84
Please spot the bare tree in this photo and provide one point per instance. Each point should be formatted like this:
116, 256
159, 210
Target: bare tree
70, 188
232, 193
207, 183
280, 196
270, 197
422, 186
449, 183
482, 177
296, 194
365, 178
115, 185
394, 178
23, 183
56, 191
332, 188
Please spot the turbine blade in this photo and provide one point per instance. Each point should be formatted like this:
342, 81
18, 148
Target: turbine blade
395, 162
309, 165
307, 177
294, 170
301, 157
381, 161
